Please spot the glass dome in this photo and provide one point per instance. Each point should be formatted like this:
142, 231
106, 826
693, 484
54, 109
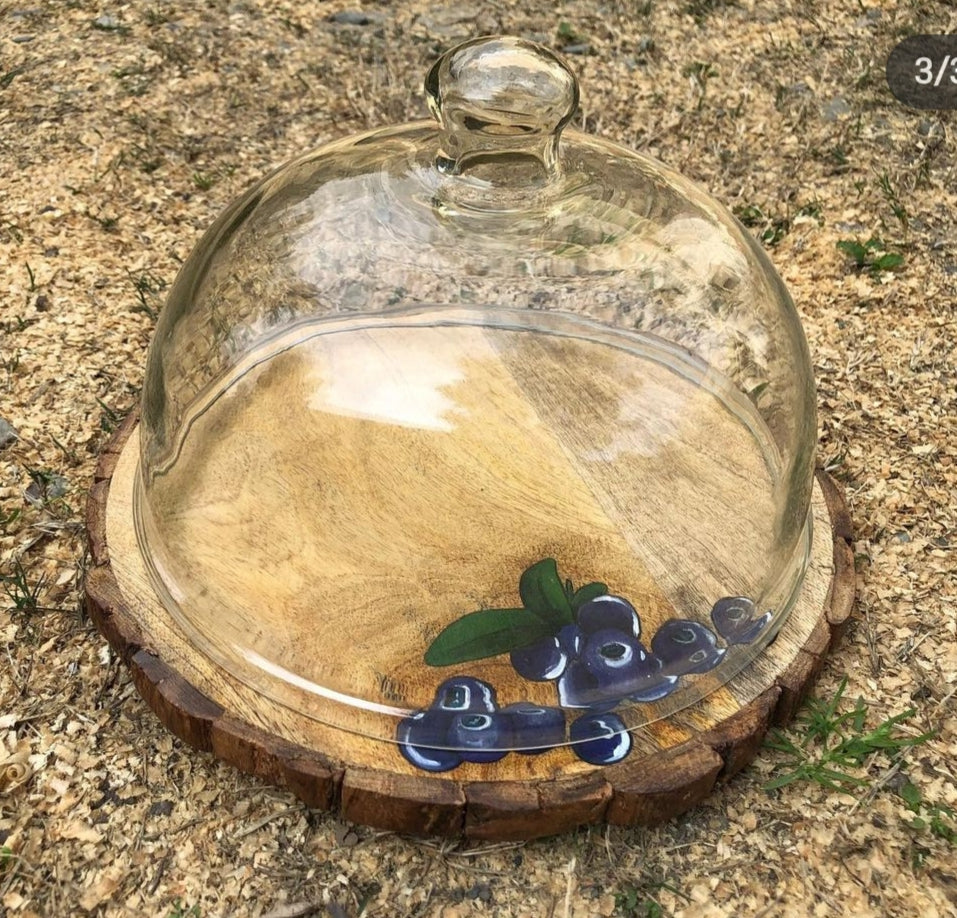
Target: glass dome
479, 415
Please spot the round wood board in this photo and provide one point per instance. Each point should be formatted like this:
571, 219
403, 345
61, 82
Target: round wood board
674, 764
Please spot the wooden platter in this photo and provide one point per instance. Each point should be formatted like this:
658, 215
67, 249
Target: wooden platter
675, 762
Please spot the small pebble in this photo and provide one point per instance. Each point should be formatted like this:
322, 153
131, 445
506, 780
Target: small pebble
345, 836
836, 109
34, 494
38, 493
458, 20
481, 891
931, 129
107, 22
351, 17
161, 808
581, 48
7, 434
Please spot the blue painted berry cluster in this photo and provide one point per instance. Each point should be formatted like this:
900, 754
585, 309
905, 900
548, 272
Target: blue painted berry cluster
588, 642
600, 660
465, 724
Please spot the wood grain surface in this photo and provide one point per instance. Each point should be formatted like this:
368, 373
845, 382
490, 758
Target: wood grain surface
348, 494
674, 764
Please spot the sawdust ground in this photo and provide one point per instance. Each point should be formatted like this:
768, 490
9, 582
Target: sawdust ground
126, 127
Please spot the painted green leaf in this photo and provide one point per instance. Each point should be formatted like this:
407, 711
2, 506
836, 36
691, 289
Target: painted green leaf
486, 633
542, 593
587, 593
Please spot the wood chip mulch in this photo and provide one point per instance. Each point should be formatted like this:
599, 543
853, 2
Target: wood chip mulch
125, 127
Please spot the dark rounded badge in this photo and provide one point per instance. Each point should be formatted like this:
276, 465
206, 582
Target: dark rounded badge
922, 71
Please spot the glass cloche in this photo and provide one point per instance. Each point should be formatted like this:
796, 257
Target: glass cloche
479, 434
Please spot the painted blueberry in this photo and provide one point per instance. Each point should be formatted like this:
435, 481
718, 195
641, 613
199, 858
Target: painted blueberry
463, 693
570, 639
545, 659
477, 736
422, 737
686, 647
649, 682
623, 667
610, 654
531, 728
735, 621
578, 688
600, 739
609, 612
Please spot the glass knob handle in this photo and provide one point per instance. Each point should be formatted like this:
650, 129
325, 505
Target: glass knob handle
500, 97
